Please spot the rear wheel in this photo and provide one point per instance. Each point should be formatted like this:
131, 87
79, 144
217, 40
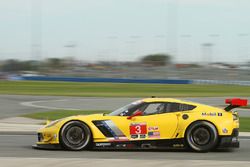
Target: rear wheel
75, 135
202, 136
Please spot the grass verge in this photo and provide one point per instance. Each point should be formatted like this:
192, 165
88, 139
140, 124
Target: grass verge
119, 89
245, 124
57, 114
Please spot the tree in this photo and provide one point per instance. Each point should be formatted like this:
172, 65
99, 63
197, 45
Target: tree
55, 63
13, 65
156, 59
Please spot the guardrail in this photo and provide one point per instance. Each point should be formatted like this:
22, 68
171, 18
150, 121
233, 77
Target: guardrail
112, 80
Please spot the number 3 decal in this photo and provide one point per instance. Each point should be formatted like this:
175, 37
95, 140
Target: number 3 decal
138, 128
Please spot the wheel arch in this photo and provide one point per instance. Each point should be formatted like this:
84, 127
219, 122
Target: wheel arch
59, 132
185, 133
216, 139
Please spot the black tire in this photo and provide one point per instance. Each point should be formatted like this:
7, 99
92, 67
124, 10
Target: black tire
201, 136
75, 135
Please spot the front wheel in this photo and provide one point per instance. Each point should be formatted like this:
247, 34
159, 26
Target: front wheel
202, 136
75, 135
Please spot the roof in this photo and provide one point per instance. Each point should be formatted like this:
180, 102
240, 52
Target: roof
161, 99
169, 100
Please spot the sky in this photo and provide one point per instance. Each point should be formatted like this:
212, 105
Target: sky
125, 30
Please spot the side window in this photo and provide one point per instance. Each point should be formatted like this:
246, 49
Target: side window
175, 107
157, 108
154, 108
186, 107
132, 109
172, 107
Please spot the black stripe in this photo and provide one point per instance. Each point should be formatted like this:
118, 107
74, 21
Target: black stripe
102, 128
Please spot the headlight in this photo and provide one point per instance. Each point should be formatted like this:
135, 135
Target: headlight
52, 123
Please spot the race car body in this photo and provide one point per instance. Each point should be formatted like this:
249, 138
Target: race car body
148, 123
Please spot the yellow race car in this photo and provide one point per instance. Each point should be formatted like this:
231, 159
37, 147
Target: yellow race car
147, 124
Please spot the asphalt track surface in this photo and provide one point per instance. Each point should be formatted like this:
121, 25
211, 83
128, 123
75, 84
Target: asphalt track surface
20, 146
15, 105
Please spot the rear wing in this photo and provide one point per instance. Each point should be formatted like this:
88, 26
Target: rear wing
234, 103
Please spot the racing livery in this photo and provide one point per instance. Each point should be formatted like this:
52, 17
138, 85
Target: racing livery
147, 124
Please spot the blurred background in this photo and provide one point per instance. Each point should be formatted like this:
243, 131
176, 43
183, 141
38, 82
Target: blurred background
142, 39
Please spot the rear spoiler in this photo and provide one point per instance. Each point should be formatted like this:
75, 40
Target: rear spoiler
234, 103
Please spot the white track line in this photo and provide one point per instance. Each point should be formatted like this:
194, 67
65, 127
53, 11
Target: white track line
244, 139
33, 104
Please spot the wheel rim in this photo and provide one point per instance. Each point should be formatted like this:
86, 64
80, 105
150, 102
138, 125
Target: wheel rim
201, 136
75, 135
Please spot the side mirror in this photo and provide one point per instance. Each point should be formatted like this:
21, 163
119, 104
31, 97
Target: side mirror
137, 113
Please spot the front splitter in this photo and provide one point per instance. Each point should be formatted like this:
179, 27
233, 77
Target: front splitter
47, 146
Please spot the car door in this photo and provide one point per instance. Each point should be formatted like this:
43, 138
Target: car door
154, 123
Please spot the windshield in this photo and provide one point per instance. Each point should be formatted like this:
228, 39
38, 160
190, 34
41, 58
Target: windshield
127, 110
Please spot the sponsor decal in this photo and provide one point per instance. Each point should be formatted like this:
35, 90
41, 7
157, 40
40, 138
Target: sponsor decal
121, 145
153, 128
138, 128
102, 144
224, 130
134, 136
143, 136
155, 134
208, 114
219, 114
117, 139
